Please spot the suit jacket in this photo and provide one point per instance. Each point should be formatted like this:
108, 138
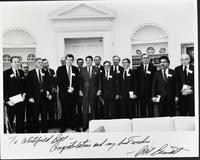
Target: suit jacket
128, 84
51, 80
34, 89
162, 88
120, 71
110, 87
12, 85
90, 85
63, 80
180, 78
145, 82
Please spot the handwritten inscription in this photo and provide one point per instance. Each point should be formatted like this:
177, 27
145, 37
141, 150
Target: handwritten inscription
62, 142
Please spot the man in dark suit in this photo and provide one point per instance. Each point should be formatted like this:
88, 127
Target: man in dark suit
119, 71
37, 93
25, 69
164, 88
79, 114
110, 90
144, 74
51, 102
128, 90
90, 89
185, 86
97, 62
13, 79
68, 83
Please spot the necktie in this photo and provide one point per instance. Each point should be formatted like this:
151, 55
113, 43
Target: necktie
114, 68
164, 75
124, 74
185, 72
89, 71
40, 77
17, 74
145, 70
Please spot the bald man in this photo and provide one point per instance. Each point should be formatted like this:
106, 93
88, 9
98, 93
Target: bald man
185, 86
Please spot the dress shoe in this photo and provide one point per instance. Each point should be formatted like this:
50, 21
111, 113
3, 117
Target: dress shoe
62, 130
76, 129
84, 129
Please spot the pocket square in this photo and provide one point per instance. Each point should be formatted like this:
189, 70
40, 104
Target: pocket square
148, 72
12, 75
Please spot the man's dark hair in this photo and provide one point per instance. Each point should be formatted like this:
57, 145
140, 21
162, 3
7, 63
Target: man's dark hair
98, 57
70, 56
38, 59
79, 59
107, 62
11, 59
164, 57
89, 57
126, 59
117, 57
44, 59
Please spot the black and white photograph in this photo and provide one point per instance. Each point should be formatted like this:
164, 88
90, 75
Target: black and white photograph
99, 79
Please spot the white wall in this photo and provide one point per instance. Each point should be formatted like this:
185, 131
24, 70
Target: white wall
176, 18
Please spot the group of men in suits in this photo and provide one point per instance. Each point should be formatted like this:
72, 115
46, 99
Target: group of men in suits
95, 91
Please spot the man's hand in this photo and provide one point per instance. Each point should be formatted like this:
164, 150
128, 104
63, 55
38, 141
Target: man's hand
11, 103
23, 96
50, 97
98, 92
154, 99
31, 100
176, 99
133, 96
117, 97
81, 93
70, 89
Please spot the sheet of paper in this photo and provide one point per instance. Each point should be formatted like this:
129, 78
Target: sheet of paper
16, 99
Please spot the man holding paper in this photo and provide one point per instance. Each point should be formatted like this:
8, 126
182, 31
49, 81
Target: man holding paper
128, 90
185, 86
68, 83
14, 94
164, 87
145, 74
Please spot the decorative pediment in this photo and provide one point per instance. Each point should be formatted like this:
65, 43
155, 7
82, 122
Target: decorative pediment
82, 11
149, 32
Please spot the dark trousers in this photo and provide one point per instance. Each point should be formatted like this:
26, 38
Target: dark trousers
68, 105
128, 108
146, 106
39, 108
17, 110
117, 110
28, 115
166, 106
79, 113
91, 102
51, 112
109, 109
187, 105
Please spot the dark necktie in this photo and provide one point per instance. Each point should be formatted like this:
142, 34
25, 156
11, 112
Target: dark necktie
145, 70
40, 77
89, 71
17, 74
185, 72
164, 75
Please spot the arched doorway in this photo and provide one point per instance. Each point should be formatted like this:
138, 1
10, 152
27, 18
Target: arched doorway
18, 42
